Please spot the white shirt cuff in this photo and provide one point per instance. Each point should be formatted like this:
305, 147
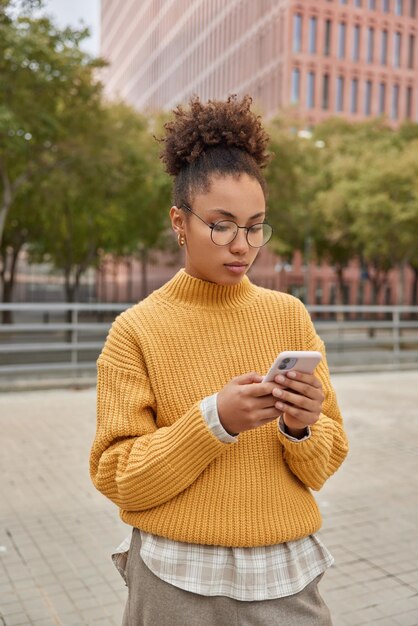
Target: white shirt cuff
281, 426
209, 409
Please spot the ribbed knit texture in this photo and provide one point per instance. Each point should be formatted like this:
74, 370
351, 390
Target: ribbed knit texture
154, 455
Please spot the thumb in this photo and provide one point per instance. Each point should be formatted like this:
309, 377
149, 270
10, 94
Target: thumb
248, 378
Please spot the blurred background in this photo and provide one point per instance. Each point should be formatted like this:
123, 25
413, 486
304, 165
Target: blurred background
87, 86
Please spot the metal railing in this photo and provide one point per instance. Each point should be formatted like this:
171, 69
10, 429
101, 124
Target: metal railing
54, 339
376, 328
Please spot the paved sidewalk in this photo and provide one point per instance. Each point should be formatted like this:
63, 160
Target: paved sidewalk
57, 532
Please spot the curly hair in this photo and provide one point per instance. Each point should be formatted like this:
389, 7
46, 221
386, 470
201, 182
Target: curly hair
216, 138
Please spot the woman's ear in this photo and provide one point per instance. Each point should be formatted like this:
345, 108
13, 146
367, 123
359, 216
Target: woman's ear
177, 224
177, 220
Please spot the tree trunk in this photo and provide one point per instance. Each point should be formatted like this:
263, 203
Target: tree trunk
6, 203
7, 316
401, 290
72, 288
9, 192
129, 290
415, 287
375, 291
341, 299
378, 281
69, 291
144, 255
9, 283
3, 214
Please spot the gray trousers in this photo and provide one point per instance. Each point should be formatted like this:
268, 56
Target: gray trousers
153, 602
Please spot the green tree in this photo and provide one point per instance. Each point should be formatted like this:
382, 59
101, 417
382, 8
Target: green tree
78, 199
344, 199
355, 197
46, 80
21, 226
109, 196
386, 213
143, 190
292, 177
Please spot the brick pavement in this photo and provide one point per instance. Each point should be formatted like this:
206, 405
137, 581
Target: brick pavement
56, 531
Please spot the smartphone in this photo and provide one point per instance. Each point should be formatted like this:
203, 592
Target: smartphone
299, 360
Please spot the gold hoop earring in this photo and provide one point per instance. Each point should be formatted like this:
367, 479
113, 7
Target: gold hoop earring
181, 240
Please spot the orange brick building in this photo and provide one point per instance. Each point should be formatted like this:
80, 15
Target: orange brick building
356, 58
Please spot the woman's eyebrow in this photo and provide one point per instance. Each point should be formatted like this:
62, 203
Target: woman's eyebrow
231, 215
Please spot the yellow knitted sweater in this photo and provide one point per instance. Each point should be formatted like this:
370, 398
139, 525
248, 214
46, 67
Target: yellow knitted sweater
154, 455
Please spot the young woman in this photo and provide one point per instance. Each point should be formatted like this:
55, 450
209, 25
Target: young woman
212, 467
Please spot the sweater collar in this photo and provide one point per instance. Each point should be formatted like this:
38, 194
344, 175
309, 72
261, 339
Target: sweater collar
186, 290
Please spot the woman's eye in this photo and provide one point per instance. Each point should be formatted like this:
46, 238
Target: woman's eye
221, 228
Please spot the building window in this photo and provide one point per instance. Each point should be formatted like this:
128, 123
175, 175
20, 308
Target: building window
397, 50
370, 44
386, 6
382, 98
354, 95
395, 102
325, 92
295, 86
356, 43
341, 40
372, 5
368, 98
384, 48
398, 7
311, 90
312, 35
408, 103
413, 8
327, 42
343, 1
297, 32
411, 51
357, 3
339, 101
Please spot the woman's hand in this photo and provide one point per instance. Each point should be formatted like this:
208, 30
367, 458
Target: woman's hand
246, 403
299, 397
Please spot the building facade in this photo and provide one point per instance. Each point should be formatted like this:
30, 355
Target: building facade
355, 58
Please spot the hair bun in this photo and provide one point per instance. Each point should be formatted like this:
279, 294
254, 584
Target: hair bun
202, 126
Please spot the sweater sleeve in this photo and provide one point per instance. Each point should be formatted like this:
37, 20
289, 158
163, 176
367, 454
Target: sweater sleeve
133, 462
315, 459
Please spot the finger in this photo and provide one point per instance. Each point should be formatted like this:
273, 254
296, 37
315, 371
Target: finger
304, 417
303, 388
260, 403
298, 400
309, 379
248, 378
265, 402
262, 389
269, 414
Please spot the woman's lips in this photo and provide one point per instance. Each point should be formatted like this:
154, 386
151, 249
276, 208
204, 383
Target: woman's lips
236, 268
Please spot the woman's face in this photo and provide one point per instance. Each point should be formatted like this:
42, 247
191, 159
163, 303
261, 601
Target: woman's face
237, 199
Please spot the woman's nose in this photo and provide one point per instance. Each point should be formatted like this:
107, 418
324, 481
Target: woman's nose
240, 243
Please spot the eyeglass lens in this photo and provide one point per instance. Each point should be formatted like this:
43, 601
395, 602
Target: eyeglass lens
225, 231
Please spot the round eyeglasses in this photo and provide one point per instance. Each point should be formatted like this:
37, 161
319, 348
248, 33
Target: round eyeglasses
224, 232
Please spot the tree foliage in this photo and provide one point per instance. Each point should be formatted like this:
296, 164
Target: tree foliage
85, 172
367, 202
46, 83
351, 190
292, 179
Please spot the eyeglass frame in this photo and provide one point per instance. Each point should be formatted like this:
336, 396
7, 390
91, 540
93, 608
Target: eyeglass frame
212, 226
